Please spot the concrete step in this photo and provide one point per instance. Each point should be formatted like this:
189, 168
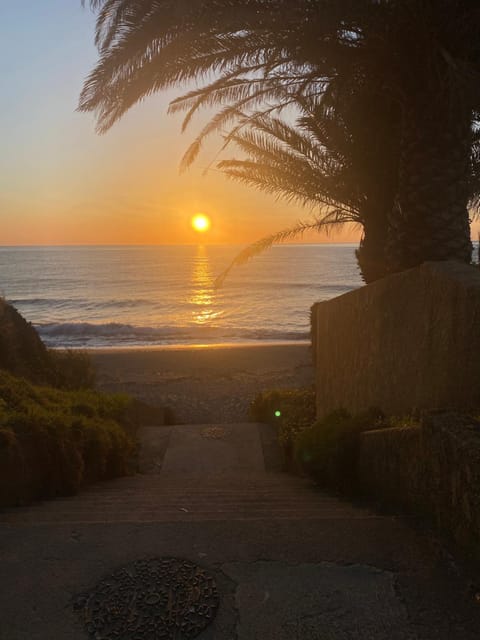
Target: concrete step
208, 472
156, 499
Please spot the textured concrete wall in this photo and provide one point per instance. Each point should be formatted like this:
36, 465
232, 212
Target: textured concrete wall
409, 341
432, 470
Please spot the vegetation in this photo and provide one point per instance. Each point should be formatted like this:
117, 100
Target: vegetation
52, 441
21, 350
72, 369
22, 353
325, 162
325, 449
289, 410
407, 70
328, 450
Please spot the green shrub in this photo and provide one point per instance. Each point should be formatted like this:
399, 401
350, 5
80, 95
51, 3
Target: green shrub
328, 451
52, 441
72, 369
290, 411
22, 353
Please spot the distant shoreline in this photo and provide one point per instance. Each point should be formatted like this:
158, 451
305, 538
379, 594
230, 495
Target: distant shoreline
187, 347
192, 244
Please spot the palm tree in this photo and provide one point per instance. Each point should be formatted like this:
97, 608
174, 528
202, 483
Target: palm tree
265, 54
148, 45
313, 163
245, 82
325, 164
437, 72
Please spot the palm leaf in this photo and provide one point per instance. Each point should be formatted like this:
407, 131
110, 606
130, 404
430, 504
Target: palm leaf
333, 218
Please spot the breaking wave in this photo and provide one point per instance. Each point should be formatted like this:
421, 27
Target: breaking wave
84, 334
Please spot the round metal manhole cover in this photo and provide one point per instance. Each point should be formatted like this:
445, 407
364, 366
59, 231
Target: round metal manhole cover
155, 599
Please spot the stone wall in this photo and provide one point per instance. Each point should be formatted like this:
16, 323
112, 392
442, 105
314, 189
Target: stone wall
409, 341
432, 471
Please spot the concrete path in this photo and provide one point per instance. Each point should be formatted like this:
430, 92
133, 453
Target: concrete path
290, 561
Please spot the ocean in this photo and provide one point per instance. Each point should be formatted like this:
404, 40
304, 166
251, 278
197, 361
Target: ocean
117, 296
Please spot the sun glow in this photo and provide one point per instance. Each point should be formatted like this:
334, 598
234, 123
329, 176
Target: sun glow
201, 222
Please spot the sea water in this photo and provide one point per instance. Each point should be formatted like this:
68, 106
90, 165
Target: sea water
165, 295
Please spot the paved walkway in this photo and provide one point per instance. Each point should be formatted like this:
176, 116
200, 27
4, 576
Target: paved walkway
290, 561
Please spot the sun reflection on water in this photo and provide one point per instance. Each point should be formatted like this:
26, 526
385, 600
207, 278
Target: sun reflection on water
203, 293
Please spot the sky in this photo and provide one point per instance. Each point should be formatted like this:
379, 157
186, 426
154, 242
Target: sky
61, 183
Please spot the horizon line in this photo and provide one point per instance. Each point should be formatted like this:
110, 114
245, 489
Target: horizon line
183, 244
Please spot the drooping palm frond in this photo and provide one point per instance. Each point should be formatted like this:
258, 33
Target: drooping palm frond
228, 89
238, 95
307, 164
290, 164
332, 218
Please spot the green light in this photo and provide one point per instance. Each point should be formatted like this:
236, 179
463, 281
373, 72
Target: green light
278, 414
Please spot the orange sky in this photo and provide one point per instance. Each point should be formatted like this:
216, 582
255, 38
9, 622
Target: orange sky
60, 183
74, 187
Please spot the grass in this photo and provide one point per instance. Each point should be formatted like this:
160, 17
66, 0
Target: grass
54, 441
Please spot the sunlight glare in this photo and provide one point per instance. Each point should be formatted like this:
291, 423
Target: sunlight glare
201, 222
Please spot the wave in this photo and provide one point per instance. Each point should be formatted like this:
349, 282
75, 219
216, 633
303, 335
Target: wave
45, 301
268, 284
81, 302
112, 334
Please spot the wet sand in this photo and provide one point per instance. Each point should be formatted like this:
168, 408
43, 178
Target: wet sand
204, 384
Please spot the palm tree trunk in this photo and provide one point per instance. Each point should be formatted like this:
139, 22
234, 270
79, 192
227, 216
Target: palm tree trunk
430, 218
371, 256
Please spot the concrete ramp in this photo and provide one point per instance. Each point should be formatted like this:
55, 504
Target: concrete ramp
214, 450
290, 562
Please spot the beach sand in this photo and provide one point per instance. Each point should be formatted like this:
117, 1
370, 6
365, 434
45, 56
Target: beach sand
204, 384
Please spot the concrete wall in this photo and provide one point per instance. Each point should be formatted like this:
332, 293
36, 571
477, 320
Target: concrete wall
432, 471
409, 341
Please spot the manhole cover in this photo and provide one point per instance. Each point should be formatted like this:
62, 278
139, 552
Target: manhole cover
154, 599
213, 433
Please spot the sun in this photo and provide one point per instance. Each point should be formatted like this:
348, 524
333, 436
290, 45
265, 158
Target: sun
201, 222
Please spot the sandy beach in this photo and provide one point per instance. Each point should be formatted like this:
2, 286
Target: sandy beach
203, 384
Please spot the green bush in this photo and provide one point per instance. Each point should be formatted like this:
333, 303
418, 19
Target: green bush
328, 451
72, 369
290, 411
22, 353
52, 441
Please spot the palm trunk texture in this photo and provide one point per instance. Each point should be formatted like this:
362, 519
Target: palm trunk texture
371, 258
430, 219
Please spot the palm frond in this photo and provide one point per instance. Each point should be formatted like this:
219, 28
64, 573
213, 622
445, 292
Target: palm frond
333, 218
147, 46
